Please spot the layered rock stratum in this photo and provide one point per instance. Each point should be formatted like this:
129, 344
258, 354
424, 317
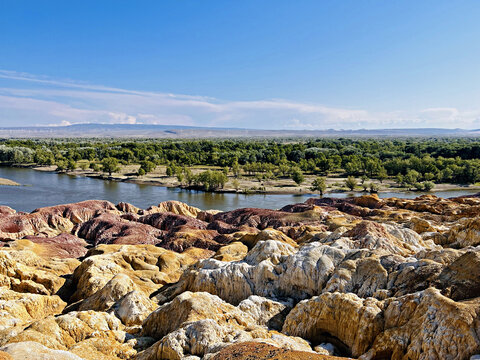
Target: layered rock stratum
363, 278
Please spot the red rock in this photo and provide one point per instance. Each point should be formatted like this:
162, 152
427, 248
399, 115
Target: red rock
6, 210
113, 229
169, 221
62, 246
262, 351
78, 212
264, 218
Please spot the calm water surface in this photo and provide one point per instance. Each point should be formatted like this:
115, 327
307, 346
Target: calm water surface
48, 188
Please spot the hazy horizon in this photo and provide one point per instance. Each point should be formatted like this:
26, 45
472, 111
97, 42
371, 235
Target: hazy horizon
274, 65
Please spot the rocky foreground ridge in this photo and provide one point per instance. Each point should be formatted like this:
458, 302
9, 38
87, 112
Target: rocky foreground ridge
329, 278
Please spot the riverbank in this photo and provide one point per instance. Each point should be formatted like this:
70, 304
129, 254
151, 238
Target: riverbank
247, 184
8, 182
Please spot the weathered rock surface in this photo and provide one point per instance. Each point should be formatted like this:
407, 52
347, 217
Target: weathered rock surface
18, 309
200, 323
175, 207
87, 334
25, 267
257, 350
61, 246
427, 325
363, 277
112, 229
347, 321
149, 267
32, 349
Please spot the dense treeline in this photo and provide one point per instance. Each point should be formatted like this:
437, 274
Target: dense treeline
410, 161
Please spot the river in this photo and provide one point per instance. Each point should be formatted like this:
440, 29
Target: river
48, 188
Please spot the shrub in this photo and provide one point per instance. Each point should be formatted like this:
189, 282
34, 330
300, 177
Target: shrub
319, 185
297, 176
350, 183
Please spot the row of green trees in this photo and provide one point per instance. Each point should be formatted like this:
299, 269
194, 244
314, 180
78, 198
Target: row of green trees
434, 160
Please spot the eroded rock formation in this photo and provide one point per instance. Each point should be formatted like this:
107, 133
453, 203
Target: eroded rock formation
364, 277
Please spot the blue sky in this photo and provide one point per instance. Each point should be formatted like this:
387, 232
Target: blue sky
252, 64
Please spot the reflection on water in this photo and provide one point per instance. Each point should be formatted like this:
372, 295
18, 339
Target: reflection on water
46, 189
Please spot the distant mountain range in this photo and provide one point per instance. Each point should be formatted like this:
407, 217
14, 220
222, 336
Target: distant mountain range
177, 131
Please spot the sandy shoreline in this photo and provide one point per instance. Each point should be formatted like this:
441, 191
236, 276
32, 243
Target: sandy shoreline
8, 182
247, 185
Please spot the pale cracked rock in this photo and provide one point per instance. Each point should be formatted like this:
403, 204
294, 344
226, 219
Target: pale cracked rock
232, 252
266, 312
361, 274
28, 349
272, 269
22, 269
133, 308
119, 286
17, 309
149, 267
351, 322
172, 206
88, 334
428, 325
200, 323
385, 239
464, 233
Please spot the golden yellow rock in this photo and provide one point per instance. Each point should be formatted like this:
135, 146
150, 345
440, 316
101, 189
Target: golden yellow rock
353, 321
232, 252
18, 309
176, 207
148, 266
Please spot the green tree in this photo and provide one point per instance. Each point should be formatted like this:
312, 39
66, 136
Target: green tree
147, 166
320, 185
411, 177
170, 171
83, 165
180, 177
61, 165
373, 188
110, 165
428, 185
382, 174
350, 183
211, 180
297, 176
236, 168
71, 165
236, 184
399, 179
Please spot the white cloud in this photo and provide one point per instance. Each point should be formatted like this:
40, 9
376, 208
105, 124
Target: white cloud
36, 100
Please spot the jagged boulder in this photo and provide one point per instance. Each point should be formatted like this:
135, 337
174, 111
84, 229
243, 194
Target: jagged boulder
200, 323
347, 321
18, 309
149, 267
427, 325
26, 267
257, 350
88, 334
26, 349
172, 206
271, 269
